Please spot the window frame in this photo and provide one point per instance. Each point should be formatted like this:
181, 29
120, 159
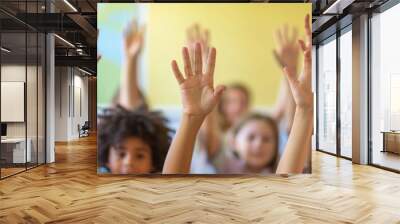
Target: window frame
335, 36
381, 9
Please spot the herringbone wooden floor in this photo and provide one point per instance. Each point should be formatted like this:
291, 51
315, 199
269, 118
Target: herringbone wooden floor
69, 191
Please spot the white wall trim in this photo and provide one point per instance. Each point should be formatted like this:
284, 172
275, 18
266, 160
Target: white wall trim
50, 108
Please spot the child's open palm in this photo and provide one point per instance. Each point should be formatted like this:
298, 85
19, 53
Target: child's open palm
197, 87
287, 50
133, 41
301, 87
195, 34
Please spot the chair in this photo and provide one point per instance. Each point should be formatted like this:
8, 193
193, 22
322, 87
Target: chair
84, 130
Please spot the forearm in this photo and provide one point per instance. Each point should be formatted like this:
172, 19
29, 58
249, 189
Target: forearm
298, 145
290, 110
129, 93
210, 133
280, 103
290, 106
296, 151
307, 164
180, 153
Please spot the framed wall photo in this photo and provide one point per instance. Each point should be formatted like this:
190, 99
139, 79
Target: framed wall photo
201, 88
12, 101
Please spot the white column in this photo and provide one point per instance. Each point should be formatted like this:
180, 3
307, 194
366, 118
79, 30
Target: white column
50, 93
50, 110
360, 90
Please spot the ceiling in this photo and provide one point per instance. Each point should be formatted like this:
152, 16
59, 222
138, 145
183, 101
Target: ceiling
76, 22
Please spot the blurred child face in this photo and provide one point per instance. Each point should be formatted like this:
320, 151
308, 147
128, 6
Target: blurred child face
256, 144
235, 104
133, 156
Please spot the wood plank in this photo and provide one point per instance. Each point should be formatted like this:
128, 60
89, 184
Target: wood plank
69, 191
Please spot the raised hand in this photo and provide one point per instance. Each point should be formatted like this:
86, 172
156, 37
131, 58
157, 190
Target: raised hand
301, 87
130, 94
98, 55
287, 51
197, 87
195, 34
298, 146
133, 40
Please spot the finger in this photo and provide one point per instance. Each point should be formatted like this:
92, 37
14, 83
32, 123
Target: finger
307, 56
177, 72
198, 63
141, 33
142, 30
132, 30
126, 30
219, 90
302, 45
196, 31
98, 56
189, 34
211, 64
306, 76
129, 32
126, 35
134, 26
294, 35
191, 49
307, 28
186, 62
285, 33
206, 38
278, 59
205, 42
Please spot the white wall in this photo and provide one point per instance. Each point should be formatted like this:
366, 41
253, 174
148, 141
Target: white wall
33, 127
81, 84
70, 83
61, 103
16, 73
12, 73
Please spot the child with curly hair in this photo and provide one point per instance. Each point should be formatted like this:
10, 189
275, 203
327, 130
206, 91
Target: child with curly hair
132, 142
